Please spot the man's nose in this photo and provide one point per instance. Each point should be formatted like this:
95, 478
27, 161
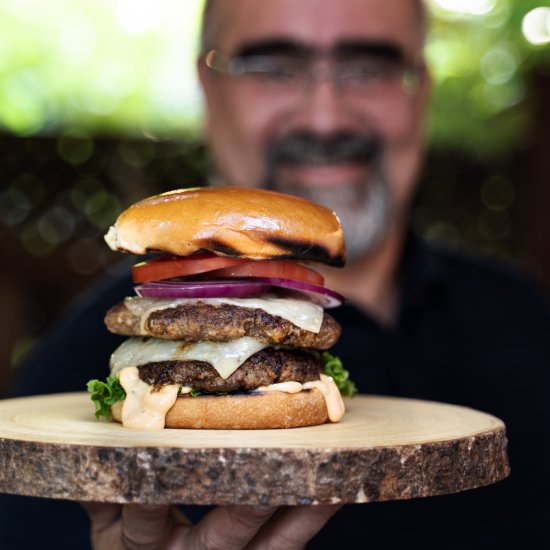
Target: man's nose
323, 108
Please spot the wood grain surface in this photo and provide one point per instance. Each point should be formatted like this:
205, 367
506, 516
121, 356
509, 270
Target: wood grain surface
383, 449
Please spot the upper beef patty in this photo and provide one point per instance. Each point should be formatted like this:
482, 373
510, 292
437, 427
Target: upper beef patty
199, 322
268, 366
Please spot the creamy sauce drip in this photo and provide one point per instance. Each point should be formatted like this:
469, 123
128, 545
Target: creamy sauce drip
332, 395
327, 387
144, 407
304, 315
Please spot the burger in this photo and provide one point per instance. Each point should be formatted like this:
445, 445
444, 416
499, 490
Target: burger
228, 328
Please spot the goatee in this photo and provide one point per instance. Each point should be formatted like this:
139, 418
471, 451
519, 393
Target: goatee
363, 206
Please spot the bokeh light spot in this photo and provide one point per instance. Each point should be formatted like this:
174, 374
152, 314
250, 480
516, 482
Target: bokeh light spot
33, 242
87, 256
32, 186
14, 207
75, 147
498, 193
22, 108
56, 226
137, 16
500, 97
443, 232
498, 66
536, 26
466, 7
77, 37
102, 209
494, 226
83, 191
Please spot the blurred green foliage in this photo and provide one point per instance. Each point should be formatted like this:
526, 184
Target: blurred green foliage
123, 67
126, 67
481, 67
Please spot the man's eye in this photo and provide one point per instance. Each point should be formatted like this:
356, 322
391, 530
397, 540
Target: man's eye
367, 71
273, 69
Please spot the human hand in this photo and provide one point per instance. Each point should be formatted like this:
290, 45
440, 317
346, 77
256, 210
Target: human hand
134, 527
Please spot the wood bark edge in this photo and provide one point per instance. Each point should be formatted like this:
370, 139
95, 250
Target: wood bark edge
251, 475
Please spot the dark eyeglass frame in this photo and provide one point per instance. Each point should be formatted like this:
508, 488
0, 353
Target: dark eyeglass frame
237, 67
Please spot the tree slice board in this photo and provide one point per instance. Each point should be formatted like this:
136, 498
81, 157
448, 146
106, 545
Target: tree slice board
384, 448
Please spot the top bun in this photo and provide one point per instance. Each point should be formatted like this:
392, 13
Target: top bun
230, 221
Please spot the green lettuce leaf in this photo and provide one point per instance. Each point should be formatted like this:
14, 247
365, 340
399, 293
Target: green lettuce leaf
105, 394
196, 393
333, 367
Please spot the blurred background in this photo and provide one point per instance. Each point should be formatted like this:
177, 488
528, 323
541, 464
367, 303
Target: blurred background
99, 107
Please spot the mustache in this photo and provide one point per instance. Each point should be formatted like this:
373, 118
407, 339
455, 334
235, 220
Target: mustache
305, 148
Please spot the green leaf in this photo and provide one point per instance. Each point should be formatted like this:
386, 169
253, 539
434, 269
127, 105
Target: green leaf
333, 367
105, 394
196, 393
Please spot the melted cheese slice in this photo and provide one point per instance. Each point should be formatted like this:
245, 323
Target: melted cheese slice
304, 315
225, 357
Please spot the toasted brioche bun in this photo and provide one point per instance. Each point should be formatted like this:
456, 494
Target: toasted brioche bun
230, 221
252, 411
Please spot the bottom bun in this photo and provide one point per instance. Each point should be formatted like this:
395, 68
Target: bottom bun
250, 411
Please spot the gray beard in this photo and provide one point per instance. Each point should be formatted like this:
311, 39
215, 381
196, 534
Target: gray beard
364, 209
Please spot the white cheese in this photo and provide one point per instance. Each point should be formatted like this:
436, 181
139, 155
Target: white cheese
304, 315
225, 357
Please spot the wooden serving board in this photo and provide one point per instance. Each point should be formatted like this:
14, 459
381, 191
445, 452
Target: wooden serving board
384, 448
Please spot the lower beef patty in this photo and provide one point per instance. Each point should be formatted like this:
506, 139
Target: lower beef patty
268, 366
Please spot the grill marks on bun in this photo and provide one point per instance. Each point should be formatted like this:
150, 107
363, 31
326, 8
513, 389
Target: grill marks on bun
300, 249
231, 221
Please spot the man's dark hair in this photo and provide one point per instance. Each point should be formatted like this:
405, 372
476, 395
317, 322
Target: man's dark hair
207, 42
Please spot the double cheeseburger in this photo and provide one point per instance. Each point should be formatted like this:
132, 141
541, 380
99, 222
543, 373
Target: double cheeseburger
228, 326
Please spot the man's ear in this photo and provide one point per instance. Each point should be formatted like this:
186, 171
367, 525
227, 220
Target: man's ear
205, 77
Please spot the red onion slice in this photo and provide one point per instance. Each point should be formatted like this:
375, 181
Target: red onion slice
221, 288
241, 288
319, 295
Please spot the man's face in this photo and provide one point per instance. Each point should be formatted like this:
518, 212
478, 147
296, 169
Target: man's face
341, 128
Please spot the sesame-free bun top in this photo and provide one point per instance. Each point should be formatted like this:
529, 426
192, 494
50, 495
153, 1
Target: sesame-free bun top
230, 221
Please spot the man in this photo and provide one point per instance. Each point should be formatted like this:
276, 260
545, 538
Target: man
326, 98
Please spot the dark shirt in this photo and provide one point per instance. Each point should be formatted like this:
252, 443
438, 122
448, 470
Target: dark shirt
467, 332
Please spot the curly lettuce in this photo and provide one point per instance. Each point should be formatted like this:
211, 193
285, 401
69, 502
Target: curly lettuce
105, 394
333, 367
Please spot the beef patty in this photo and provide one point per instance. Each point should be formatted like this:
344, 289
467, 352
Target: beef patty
199, 322
268, 366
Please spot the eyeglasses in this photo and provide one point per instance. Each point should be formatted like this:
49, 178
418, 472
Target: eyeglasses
366, 74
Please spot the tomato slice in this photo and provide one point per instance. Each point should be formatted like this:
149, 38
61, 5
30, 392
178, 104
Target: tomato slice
218, 267
275, 269
166, 267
